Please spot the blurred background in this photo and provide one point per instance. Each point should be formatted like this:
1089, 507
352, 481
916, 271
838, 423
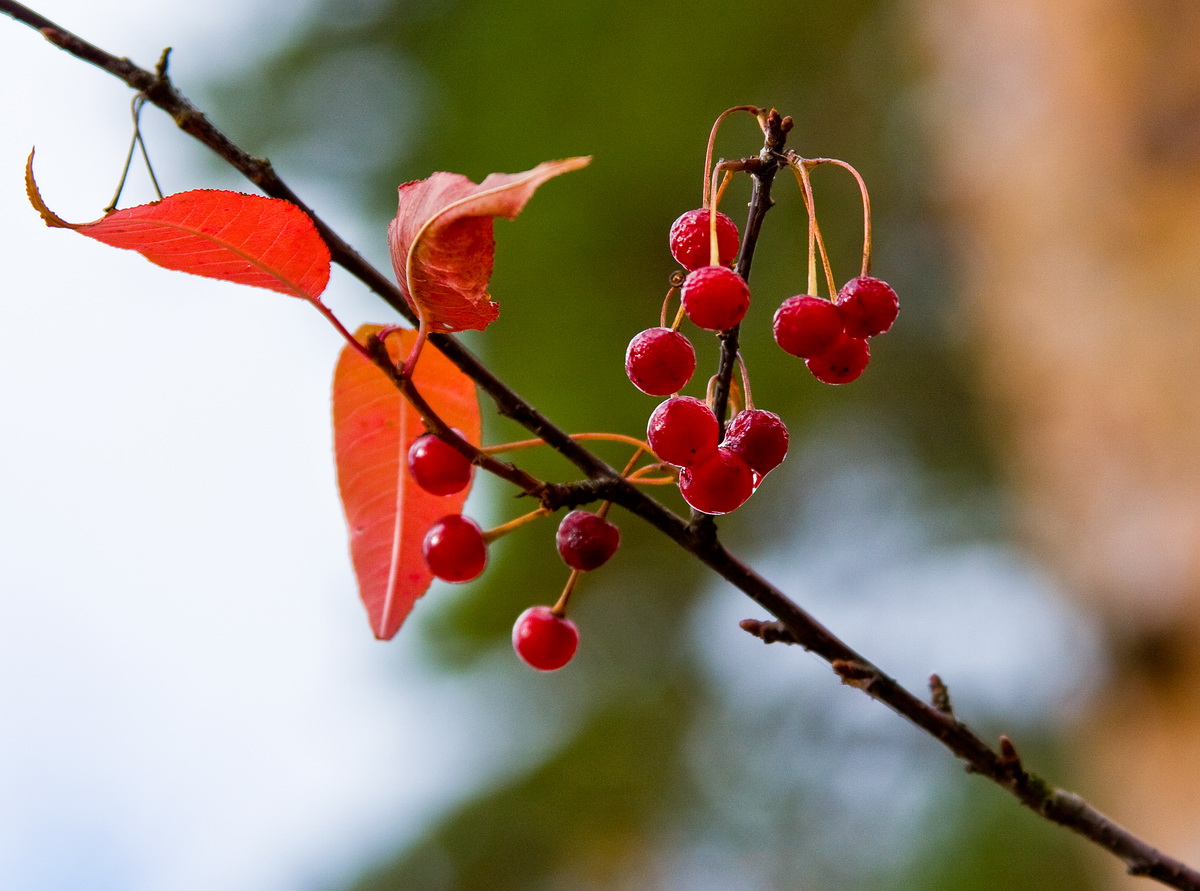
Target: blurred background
190, 697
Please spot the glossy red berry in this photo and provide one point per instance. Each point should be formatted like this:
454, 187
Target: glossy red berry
807, 326
660, 361
454, 549
690, 244
758, 437
718, 484
586, 540
843, 362
683, 430
868, 306
437, 466
543, 640
715, 298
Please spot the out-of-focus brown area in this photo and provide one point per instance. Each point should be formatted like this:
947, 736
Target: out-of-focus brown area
1068, 143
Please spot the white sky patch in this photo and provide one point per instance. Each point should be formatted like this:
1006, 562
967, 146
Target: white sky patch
190, 696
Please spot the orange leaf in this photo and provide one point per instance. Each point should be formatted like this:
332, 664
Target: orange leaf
442, 243
247, 239
386, 512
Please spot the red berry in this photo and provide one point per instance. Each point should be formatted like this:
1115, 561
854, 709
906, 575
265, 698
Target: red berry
690, 244
586, 540
718, 484
868, 306
843, 362
543, 640
759, 438
437, 466
715, 298
683, 430
454, 549
660, 361
807, 326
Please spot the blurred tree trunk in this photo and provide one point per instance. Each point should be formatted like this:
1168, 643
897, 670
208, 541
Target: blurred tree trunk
1067, 139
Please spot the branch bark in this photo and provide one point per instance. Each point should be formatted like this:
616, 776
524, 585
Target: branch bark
1002, 765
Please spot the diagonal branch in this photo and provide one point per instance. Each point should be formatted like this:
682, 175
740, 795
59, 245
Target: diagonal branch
792, 624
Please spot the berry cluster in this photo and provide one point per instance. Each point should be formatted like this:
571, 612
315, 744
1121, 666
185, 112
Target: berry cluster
715, 475
454, 546
831, 336
455, 550
716, 465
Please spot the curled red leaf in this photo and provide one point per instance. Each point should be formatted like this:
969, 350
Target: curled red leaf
248, 239
442, 243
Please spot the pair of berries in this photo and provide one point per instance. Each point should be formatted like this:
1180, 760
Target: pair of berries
715, 476
454, 548
714, 297
543, 637
831, 336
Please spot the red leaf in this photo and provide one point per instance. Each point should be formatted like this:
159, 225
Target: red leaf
442, 243
247, 239
386, 512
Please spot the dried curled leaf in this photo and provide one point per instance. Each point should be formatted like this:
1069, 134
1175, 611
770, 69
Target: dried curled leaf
248, 239
442, 243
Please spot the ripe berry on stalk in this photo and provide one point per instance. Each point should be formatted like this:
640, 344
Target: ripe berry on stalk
868, 306
660, 361
720, 483
690, 243
758, 437
586, 540
437, 466
543, 640
842, 363
683, 430
715, 298
454, 549
807, 326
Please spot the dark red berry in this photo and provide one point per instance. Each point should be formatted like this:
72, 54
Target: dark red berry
868, 306
437, 466
690, 244
543, 640
807, 326
843, 362
454, 549
586, 540
683, 430
758, 437
715, 298
660, 361
720, 483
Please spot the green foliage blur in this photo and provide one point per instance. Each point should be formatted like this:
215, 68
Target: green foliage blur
372, 93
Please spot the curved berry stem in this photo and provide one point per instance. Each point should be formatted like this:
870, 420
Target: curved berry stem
800, 168
676, 281
504, 528
714, 248
712, 138
559, 610
578, 437
866, 204
747, 399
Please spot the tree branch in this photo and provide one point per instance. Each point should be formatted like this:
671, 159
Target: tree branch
793, 625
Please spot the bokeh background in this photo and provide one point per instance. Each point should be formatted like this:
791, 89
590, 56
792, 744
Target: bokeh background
190, 697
